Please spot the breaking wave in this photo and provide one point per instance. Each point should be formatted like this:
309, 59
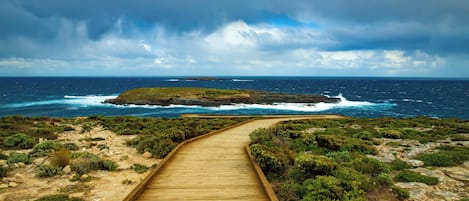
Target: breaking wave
97, 101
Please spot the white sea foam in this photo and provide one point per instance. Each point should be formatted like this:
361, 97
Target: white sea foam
240, 80
97, 101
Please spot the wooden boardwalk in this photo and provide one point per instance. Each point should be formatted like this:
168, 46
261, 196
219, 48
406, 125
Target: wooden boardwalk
212, 168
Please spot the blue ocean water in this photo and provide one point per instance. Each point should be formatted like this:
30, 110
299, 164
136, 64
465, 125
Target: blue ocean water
361, 97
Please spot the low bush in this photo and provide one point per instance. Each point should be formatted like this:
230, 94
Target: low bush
59, 197
159, 146
139, 168
369, 166
323, 188
60, 158
71, 146
364, 135
384, 179
19, 141
459, 138
399, 165
261, 136
340, 157
85, 162
267, 159
46, 147
391, 133
351, 179
409, 176
445, 156
19, 157
310, 165
3, 156
401, 194
4, 171
48, 171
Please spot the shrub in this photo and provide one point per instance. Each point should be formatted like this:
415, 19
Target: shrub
384, 179
19, 141
323, 188
59, 197
60, 158
70, 146
261, 136
19, 157
340, 157
391, 133
369, 166
400, 193
48, 171
310, 165
364, 135
267, 159
4, 171
399, 165
46, 147
3, 156
446, 156
351, 179
459, 138
159, 146
289, 191
409, 176
85, 162
139, 168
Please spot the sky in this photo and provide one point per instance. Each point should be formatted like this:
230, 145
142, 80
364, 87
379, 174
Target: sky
411, 38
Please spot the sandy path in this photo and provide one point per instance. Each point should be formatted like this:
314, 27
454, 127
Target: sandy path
215, 167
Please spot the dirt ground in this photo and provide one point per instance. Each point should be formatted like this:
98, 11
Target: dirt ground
104, 185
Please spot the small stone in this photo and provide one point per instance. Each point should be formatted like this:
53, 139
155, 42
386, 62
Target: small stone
415, 163
147, 155
15, 165
38, 161
3, 186
84, 177
3, 162
67, 169
12, 184
21, 165
18, 178
446, 195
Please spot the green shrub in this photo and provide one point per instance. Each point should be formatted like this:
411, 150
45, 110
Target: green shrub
400, 193
159, 146
139, 168
3, 156
399, 165
46, 147
60, 158
409, 176
369, 166
48, 171
261, 136
459, 138
19, 141
351, 179
267, 159
310, 165
384, 179
436, 159
85, 162
59, 197
391, 133
19, 157
340, 157
324, 188
70, 146
289, 190
364, 135
4, 171
464, 199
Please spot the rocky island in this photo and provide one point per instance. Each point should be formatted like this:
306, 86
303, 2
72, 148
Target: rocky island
211, 97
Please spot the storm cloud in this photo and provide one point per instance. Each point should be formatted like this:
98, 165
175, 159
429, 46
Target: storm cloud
303, 37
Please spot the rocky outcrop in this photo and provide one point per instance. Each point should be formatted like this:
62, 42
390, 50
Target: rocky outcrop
246, 97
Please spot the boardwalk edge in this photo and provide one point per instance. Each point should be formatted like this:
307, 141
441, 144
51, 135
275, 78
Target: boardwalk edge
260, 175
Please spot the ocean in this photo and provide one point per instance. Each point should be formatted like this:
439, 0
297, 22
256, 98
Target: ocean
360, 97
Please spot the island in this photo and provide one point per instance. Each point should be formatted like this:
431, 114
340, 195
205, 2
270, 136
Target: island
211, 97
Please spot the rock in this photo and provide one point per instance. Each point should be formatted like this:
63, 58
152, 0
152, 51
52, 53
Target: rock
417, 191
67, 169
446, 195
18, 178
3, 186
21, 165
39, 161
3, 162
12, 184
466, 164
15, 165
415, 163
458, 173
84, 177
147, 155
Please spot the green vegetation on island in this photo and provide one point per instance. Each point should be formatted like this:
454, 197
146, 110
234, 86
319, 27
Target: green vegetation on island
343, 159
211, 97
